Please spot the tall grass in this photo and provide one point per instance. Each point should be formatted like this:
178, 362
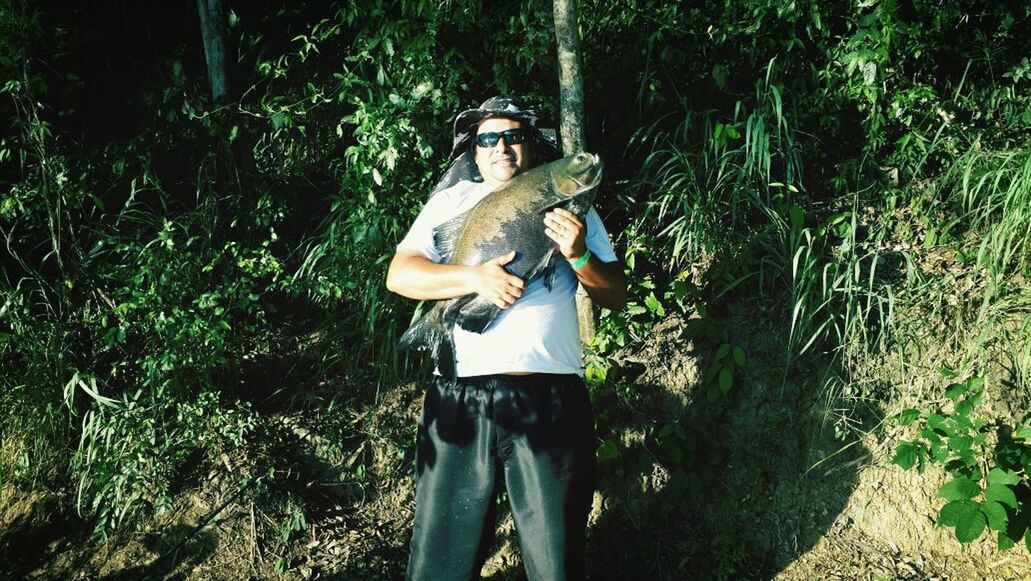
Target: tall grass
32, 422
707, 179
712, 184
993, 192
844, 287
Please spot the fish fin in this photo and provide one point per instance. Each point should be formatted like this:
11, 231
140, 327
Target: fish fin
478, 315
447, 364
549, 273
447, 360
445, 236
545, 268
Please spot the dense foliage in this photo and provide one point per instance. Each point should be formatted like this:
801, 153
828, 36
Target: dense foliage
175, 269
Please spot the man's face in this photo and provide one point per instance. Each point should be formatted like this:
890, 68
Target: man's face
503, 161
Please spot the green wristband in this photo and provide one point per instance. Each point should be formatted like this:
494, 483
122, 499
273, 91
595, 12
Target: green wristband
582, 260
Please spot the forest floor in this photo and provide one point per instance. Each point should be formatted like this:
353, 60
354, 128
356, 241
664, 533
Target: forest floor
760, 489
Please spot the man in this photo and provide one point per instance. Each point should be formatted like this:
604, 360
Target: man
519, 410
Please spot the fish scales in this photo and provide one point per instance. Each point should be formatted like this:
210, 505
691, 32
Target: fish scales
509, 218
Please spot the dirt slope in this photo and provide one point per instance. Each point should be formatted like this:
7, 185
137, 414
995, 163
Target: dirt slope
759, 489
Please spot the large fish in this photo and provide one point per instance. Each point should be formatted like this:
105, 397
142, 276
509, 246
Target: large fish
509, 218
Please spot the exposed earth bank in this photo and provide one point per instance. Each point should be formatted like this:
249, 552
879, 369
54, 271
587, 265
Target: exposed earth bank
758, 484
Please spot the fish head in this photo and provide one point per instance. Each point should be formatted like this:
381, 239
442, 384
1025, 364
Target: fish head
576, 174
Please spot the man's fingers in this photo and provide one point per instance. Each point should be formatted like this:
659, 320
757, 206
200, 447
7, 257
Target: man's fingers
504, 301
510, 293
564, 218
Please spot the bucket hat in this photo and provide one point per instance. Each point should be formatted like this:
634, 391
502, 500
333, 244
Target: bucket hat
463, 166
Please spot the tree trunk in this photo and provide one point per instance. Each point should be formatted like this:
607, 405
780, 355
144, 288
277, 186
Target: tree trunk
212, 29
571, 97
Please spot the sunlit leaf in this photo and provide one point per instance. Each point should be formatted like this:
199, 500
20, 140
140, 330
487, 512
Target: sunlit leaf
1001, 493
955, 390
995, 514
950, 514
999, 476
959, 489
970, 525
907, 416
905, 455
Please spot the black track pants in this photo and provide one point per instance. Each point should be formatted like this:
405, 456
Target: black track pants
537, 433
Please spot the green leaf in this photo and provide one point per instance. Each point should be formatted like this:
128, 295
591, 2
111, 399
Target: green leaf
608, 451
1027, 540
954, 390
722, 351
970, 526
950, 514
941, 424
726, 378
999, 476
908, 416
959, 489
963, 407
1001, 493
712, 394
975, 382
930, 435
930, 237
739, 356
995, 514
719, 74
797, 218
961, 423
960, 444
946, 372
654, 305
905, 455
1023, 432
1005, 542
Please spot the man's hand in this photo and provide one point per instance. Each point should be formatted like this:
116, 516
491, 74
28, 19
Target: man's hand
496, 284
567, 231
605, 282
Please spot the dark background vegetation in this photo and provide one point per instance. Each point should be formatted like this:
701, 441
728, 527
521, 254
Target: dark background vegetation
178, 274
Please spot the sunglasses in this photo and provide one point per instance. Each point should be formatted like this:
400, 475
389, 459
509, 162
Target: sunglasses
511, 137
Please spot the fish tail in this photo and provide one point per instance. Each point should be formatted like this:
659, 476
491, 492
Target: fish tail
433, 334
425, 333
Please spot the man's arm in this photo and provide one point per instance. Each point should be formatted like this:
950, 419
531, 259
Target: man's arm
605, 282
413, 275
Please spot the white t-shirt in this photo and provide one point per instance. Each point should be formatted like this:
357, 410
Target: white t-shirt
539, 332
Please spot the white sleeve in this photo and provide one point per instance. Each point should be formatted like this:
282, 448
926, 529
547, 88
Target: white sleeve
420, 235
598, 238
